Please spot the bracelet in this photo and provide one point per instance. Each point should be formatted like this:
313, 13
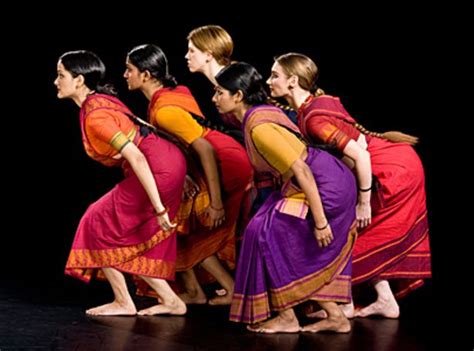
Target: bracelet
216, 209
159, 214
327, 223
364, 190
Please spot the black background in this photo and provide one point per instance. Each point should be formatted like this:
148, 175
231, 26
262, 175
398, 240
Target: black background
384, 66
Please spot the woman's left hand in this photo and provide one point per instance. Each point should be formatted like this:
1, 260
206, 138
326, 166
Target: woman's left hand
216, 216
165, 223
363, 214
323, 236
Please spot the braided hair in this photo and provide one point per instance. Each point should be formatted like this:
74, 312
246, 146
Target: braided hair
307, 72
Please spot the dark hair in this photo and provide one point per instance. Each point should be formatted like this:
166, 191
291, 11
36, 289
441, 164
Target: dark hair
91, 67
244, 77
150, 57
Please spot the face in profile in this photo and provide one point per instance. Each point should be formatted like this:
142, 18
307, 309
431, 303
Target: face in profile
65, 82
278, 81
133, 76
224, 100
196, 58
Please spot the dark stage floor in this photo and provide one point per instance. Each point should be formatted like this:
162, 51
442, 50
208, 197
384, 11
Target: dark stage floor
33, 319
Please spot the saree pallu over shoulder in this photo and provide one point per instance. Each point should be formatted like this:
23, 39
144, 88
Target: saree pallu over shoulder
179, 96
255, 117
124, 129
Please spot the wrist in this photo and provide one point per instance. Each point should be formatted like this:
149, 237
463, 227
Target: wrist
321, 227
364, 190
161, 212
216, 208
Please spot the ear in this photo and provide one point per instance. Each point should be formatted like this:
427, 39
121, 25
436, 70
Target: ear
238, 96
293, 82
209, 56
80, 81
146, 76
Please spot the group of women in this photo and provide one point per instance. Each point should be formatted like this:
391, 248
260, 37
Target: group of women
334, 205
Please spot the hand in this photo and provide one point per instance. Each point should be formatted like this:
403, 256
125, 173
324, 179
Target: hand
165, 223
190, 189
323, 236
363, 214
216, 217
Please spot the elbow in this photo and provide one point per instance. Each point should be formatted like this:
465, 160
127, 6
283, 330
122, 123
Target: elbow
365, 156
299, 167
203, 148
138, 159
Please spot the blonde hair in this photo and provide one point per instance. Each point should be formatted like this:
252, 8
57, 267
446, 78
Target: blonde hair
214, 39
307, 72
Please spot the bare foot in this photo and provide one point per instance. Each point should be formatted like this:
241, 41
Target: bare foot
276, 325
385, 308
221, 300
196, 299
177, 308
335, 324
113, 309
347, 309
221, 292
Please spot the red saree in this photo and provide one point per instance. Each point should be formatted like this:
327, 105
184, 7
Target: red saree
396, 244
120, 230
235, 174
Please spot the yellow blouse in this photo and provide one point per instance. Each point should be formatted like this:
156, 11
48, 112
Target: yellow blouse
278, 146
178, 122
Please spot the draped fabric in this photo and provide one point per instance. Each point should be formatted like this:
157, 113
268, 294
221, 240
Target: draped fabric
120, 230
281, 264
395, 245
170, 110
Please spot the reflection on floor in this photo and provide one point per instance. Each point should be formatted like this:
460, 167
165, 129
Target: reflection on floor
51, 321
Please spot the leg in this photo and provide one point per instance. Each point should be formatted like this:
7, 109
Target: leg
347, 309
385, 305
170, 302
285, 322
123, 304
335, 322
215, 268
194, 293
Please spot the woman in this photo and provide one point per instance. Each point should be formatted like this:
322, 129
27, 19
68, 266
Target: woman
210, 49
129, 229
391, 209
224, 171
298, 245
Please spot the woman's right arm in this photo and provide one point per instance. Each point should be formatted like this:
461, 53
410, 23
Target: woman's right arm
363, 169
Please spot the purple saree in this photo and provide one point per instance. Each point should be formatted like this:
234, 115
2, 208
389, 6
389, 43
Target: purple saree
281, 264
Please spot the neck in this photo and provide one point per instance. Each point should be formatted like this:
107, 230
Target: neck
211, 71
82, 95
296, 97
149, 89
240, 112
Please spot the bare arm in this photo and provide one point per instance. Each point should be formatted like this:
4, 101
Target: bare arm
141, 168
306, 181
363, 169
209, 163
